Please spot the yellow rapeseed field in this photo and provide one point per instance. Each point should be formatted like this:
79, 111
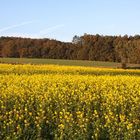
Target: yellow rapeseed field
49, 102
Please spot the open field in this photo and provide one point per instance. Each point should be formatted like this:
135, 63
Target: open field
67, 102
65, 62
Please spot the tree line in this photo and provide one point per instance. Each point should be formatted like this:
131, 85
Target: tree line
125, 49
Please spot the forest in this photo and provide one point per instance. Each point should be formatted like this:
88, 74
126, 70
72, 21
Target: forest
125, 49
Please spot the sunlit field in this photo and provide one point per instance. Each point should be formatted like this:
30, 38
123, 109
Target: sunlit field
64, 62
69, 103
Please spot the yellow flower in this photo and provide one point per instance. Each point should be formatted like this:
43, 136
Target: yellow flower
129, 126
61, 126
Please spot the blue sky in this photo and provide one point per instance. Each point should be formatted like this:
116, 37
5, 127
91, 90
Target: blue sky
62, 19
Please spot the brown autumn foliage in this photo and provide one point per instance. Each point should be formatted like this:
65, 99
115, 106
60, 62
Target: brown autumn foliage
87, 47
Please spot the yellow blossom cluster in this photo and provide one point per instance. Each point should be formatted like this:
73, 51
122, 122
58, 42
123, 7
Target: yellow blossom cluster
63, 102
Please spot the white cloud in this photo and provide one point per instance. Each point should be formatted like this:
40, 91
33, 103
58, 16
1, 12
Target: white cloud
15, 26
50, 29
41, 34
